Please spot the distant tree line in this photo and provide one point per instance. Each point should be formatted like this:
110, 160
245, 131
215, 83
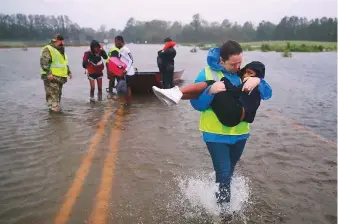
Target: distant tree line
20, 27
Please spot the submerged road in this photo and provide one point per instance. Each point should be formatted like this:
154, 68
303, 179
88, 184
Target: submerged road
102, 163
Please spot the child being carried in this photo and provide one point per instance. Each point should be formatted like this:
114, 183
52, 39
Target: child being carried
231, 106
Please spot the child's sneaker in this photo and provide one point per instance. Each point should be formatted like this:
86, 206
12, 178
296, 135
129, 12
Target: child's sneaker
168, 96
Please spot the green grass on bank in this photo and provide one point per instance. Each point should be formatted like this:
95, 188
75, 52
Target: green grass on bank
291, 46
264, 46
18, 44
299, 42
5, 44
278, 46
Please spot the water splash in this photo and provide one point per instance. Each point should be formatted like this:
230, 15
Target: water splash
196, 196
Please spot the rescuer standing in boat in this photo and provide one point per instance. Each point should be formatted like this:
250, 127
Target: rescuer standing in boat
165, 63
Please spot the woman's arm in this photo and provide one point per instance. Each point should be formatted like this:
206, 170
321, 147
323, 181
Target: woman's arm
104, 54
265, 90
204, 100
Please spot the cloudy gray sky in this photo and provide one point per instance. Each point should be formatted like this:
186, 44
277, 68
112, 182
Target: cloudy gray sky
115, 13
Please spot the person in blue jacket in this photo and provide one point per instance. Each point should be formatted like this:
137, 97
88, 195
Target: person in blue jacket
225, 144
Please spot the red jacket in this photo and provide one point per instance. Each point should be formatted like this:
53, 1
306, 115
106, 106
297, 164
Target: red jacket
93, 63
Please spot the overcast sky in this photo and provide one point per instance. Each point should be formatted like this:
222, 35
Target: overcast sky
115, 13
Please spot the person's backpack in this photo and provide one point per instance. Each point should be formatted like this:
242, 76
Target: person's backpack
85, 60
121, 87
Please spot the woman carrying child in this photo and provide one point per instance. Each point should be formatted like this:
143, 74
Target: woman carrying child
225, 144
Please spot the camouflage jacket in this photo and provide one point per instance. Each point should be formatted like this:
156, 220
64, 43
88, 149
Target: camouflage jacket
45, 62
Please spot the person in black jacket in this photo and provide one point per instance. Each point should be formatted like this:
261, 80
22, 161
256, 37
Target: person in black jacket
231, 106
165, 63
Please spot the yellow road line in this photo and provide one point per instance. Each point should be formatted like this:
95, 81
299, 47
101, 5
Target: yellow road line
99, 214
75, 189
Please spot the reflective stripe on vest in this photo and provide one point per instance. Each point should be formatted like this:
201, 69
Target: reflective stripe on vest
113, 48
209, 121
59, 64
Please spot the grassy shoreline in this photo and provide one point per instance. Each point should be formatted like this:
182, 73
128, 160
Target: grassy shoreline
5, 44
264, 46
279, 46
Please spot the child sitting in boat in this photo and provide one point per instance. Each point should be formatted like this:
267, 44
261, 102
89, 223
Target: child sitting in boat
230, 106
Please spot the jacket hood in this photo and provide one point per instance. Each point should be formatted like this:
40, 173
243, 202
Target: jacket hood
213, 59
256, 66
93, 44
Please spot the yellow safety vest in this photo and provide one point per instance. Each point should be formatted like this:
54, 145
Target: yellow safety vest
209, 121
113, 48
59, 64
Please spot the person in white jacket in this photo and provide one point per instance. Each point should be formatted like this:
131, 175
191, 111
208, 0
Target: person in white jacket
126, 57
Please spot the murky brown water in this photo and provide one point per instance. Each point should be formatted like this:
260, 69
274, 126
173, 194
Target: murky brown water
162, 172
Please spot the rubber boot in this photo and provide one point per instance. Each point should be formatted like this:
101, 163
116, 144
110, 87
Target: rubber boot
224, 194
111, 85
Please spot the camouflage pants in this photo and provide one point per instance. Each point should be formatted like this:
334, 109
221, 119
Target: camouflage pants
53, 94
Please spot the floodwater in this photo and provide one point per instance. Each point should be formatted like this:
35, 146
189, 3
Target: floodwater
103, 163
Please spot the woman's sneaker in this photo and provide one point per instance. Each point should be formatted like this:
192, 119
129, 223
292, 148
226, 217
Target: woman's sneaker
91, 100
168, 96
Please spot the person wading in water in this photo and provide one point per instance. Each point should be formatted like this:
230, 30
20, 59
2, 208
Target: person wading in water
54, 71
121, 51
93, 63
225, 144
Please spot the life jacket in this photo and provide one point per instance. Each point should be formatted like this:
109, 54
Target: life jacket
116, 66
169, 44
93, 68
113, 51
209, 121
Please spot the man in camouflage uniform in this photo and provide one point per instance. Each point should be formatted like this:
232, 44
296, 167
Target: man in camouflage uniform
53, 82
